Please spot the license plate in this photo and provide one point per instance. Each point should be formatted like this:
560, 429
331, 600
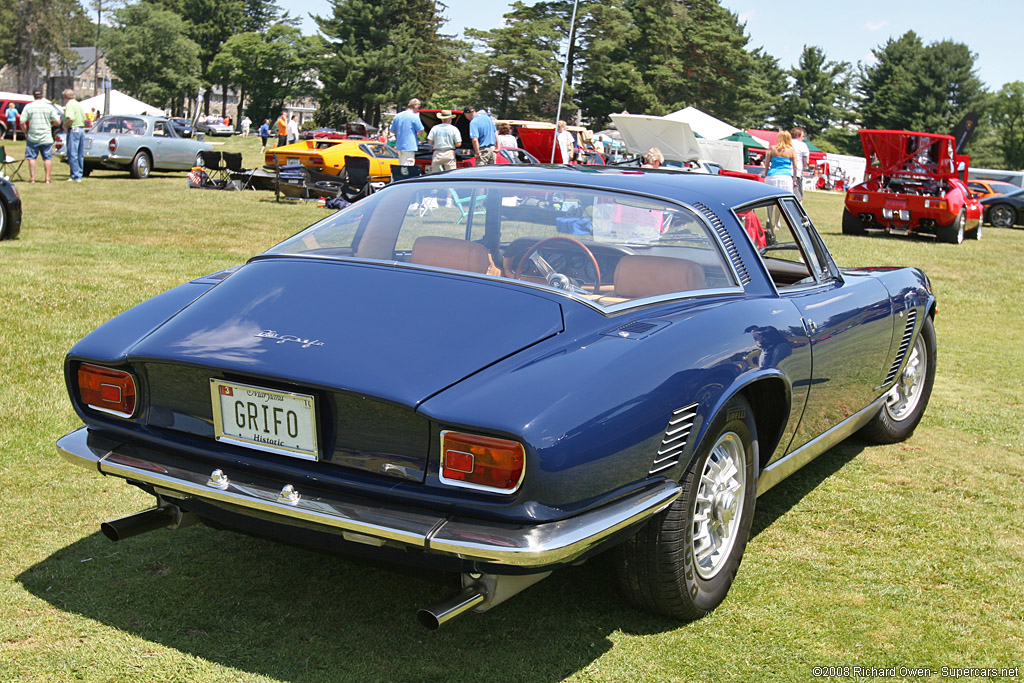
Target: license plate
291, 161
265, 419
896, 204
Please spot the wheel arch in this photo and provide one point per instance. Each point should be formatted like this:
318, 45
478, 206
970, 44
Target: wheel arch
770, 399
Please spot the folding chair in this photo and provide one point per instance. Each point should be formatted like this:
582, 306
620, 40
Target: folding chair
403, 172
6, 161
460, 203
214, 169
357, 179
233, 164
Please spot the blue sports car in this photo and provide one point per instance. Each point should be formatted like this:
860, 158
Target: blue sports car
502, 370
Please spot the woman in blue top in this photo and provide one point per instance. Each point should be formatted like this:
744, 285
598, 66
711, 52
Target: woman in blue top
12, 120
779, 163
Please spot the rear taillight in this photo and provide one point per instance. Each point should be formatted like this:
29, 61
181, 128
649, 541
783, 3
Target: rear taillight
107, 390
482, 462
858, 196
316, 160
112, 145
935, 204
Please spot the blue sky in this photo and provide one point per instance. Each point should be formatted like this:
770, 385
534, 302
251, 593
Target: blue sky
846, 29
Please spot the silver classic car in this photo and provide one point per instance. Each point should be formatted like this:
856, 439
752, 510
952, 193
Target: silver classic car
139, 144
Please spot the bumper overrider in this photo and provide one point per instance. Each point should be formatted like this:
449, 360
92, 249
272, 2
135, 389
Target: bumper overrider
523, 548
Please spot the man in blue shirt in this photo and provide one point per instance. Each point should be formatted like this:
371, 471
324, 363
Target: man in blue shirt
484, 135
405, 126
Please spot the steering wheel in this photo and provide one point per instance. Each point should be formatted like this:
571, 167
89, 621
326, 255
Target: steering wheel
553, 277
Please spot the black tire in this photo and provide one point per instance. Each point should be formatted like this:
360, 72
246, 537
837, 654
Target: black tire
851, 224
1002, 216
974, 233
954, 232
891, 425
658, 568
141, 165
3, 222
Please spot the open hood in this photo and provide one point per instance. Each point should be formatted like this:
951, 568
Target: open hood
910, 153
398, 334
675, 139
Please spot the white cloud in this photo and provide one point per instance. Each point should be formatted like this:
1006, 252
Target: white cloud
876, 25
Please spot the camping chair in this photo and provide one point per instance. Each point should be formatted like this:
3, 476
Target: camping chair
6, 161
403, 172
357, 179
233, 164
214, 169
461, 202
292, 175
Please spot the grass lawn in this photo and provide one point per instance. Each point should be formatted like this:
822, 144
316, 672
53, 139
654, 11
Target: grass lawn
906, 555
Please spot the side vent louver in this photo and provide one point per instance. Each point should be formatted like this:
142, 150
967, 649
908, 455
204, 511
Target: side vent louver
908, 334
730, 246
676, 435
638, 329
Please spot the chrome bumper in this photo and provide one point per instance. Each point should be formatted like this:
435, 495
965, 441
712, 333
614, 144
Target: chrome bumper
525, 546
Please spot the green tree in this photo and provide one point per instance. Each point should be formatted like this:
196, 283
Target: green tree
36, 37
816, 92
381, 52
149, 51
519, 65
917, 87
1007, 120
272, 65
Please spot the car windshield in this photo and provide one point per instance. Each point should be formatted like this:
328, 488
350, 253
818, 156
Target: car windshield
120, 125
609, 248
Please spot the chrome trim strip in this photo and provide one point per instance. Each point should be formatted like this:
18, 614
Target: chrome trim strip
780, 469
530, 546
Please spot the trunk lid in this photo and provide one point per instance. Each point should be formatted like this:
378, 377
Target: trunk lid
400, 335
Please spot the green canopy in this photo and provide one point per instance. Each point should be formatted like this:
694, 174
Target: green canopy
747, 139
813, 147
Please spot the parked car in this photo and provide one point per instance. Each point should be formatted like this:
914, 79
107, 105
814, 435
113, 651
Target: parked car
914, 182
137, 144
182, 126
1004, 210
464, 386
990, 188
328, 156
10, 210
322, 133
19, 100
514, 155
213, 127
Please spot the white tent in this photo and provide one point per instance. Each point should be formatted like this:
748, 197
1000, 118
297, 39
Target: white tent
121, 104
702, 124
675, 140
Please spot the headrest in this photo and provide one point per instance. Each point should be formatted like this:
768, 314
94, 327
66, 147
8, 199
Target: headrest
642, 276
455, 254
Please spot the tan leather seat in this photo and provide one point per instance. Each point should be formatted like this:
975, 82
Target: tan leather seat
637, 277
454, 254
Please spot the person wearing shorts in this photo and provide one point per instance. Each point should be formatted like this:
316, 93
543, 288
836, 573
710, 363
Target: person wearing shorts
37, 119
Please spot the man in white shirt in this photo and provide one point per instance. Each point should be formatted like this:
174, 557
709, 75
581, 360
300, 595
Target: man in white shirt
293, 129
565, 143
446, 138
803, 157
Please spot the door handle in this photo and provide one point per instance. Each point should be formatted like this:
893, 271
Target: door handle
812, 326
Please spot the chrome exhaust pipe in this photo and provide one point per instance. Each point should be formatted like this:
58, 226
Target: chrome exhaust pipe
140, 522
440, 612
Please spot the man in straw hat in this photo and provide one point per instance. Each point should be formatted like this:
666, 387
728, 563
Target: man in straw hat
446, 138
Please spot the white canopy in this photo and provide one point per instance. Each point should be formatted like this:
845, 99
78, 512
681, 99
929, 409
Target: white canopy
674, 138
702, 124
121, 104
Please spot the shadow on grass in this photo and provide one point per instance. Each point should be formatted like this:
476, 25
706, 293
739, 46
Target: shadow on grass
298, 615
791, 490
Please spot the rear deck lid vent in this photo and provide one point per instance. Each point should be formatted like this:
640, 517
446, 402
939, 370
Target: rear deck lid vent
908, 334
677, 434
638, 329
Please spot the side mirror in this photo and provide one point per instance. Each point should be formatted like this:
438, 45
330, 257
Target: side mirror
200, 136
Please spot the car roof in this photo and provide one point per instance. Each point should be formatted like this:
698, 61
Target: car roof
716, 192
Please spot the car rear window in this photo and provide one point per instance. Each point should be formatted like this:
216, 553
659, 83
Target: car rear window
120, 125
608, 248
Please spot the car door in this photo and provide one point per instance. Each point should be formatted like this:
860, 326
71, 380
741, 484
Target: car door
847, 317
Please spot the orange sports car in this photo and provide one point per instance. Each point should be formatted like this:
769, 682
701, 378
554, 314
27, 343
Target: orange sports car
990, 188
328, 156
